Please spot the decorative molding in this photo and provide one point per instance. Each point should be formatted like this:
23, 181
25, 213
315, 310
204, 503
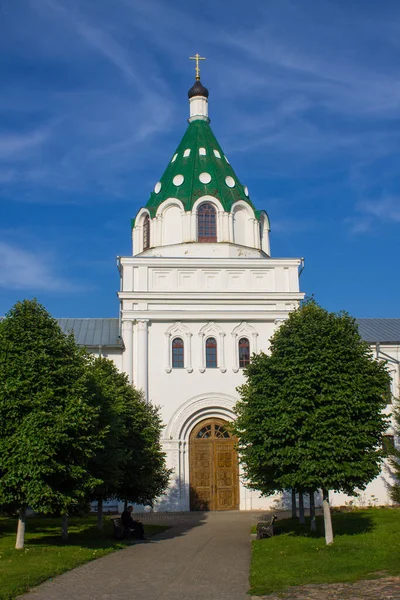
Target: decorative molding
178, 329
170, 202
212, 329
195, 410
243, 330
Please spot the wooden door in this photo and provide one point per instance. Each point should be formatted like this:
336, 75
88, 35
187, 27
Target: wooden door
214, 472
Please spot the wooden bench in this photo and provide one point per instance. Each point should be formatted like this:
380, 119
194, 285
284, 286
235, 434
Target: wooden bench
119, 530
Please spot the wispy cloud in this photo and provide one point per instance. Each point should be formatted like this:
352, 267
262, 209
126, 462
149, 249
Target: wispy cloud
23, 269
384, 209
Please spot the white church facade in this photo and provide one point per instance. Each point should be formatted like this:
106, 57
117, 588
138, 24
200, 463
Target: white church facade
199, 294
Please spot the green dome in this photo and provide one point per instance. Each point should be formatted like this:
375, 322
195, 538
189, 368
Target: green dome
198, 168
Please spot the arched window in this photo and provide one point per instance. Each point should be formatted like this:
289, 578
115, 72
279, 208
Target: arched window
244, 352
206, 223
211, 353
146, 232
177, 353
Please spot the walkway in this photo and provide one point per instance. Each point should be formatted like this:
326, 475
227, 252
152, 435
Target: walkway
203, 556
387, 588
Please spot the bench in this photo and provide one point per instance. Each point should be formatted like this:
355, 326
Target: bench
266, 530
119, 530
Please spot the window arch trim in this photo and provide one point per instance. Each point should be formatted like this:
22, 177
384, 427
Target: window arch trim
209, 330
243, 330
178, 330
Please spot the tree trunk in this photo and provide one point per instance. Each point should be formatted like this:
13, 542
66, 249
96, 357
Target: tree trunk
125, 504
301, 508
313, 523
327, 517
19, 543
294, 511
100, 514
64, 527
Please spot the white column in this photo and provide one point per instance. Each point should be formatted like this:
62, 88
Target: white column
167, 352
230, 225
220, 226
202, 367
143, 356
235, 361
188, 352
222, 366
127, 357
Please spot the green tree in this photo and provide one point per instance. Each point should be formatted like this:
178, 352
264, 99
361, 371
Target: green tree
48, 429
108, 390
144, 475
310, 415
394, 455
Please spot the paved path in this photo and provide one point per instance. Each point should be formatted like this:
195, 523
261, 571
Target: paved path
387, 588
204, 556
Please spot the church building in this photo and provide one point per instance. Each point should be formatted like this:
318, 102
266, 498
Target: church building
199, 295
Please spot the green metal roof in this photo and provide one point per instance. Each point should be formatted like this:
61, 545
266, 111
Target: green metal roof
194, 164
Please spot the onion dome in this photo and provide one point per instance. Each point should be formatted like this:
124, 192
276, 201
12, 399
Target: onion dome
198, 89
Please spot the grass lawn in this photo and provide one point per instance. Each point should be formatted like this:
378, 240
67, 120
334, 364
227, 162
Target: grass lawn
45, 555
366, 545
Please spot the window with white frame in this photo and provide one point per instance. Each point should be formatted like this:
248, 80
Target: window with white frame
244, 338
211, 353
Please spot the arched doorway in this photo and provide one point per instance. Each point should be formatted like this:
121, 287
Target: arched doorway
214, 470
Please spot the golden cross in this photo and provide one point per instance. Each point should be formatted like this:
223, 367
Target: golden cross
197, 57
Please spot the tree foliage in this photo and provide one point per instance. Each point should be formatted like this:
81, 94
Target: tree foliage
48, 429
395, 457
144, 475
130, 465
310, 415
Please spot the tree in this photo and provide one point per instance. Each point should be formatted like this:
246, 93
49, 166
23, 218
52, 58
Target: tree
108, 390
48, 429
394, 455
144, 475
310, 415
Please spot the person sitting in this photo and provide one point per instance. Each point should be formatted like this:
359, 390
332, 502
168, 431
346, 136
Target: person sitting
132, 527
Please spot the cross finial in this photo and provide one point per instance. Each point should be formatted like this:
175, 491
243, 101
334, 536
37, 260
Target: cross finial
197, 57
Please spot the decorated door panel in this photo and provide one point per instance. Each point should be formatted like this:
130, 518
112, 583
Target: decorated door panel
214, 481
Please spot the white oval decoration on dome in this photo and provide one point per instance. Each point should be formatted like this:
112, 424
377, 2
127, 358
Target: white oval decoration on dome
178, 180
227, 160
217, 154
174, 157
205, 177
202, 151
230, 182
157, 187
186, 153
246, 190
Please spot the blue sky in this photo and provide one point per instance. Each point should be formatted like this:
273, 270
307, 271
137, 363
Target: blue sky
304, 99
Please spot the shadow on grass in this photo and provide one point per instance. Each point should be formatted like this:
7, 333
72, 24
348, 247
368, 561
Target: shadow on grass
353, 523
83, 532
